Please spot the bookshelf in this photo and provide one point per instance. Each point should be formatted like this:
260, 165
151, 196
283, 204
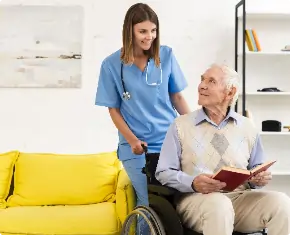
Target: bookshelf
269, 67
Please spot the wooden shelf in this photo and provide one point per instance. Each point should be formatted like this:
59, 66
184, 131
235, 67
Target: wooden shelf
266, 53
256, 93
273, 133
266, 16
281, 173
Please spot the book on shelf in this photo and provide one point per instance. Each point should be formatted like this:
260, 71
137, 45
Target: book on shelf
235, 177
252, 40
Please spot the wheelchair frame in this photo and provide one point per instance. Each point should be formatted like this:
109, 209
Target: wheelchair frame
161, 215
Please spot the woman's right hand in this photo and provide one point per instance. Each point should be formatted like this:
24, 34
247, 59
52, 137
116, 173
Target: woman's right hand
122, 126
137, 148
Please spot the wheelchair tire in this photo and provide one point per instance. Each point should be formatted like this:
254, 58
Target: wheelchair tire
167, 214
159, 228
129, 221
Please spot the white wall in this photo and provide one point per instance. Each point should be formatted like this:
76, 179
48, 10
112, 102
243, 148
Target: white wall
66, 120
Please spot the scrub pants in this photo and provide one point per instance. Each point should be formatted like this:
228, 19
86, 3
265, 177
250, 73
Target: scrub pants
133, 168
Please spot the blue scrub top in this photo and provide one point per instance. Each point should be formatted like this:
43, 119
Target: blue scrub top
149, 112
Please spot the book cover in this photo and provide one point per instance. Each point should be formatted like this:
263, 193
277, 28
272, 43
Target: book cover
253, 39
248, 41
256, 39
234, 177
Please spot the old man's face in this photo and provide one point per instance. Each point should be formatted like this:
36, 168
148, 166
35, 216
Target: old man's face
212, 88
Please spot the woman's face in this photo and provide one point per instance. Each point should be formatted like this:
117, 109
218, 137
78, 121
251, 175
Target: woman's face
144, 34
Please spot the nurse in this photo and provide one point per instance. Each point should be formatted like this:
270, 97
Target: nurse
141, 84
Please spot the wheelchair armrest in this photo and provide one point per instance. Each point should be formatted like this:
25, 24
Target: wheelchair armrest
161, 190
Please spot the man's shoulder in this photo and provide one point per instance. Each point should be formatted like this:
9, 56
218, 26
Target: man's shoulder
246, 124
188, 117
244, 120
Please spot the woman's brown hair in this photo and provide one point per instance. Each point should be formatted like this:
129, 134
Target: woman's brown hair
138, 13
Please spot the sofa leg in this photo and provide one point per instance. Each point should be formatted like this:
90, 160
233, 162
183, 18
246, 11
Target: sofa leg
167, 214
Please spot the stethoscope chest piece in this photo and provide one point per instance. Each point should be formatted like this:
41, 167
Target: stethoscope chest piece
126, 95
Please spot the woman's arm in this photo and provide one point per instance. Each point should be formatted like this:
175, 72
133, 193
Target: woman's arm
122, 126
179, 103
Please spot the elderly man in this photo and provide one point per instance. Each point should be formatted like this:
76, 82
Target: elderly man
198, 144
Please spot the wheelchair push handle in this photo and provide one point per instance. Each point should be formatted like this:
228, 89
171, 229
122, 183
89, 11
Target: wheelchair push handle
145, 148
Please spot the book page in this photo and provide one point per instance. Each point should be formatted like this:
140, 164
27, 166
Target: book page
232, 169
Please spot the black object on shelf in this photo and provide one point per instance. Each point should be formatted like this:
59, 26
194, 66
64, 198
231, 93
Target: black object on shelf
271, 125
269, 89
242, 4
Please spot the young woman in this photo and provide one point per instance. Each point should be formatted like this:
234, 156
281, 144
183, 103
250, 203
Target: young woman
141, 84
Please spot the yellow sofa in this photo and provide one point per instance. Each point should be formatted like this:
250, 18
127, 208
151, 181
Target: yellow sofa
51, 194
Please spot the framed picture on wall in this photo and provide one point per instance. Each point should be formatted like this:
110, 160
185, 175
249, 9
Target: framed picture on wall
41, 46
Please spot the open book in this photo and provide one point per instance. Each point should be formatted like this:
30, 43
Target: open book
234, 177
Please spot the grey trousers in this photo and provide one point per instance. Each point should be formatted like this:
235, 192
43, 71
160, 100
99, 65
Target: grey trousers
246, 211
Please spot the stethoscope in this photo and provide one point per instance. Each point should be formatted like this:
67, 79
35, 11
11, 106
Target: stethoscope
126, 95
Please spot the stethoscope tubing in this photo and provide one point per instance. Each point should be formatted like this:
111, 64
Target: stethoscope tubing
126, 94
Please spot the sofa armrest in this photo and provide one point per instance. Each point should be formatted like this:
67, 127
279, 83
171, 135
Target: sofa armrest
125, 196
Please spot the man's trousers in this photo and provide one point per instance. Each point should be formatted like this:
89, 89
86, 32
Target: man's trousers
246, 211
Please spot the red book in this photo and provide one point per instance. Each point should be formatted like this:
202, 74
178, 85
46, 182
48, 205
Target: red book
235, 177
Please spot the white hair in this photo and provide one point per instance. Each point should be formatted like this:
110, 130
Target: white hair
231, 80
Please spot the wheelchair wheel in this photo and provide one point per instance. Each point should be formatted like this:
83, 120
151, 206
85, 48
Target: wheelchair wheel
151, 218
167, 214
158, 226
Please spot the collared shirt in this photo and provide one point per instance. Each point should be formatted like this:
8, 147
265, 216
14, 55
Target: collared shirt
169, 172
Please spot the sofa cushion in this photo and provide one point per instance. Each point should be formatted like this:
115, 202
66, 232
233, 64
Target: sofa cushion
7, 161
94, 219
55, 179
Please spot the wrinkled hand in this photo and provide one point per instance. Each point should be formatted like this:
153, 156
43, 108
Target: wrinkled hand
205, 184
136, 147
261, 179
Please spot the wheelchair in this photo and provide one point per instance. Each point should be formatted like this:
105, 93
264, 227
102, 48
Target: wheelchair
161, 215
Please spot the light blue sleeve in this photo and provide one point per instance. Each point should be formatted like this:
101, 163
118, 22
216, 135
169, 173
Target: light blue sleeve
257, 157
107, 93
177, 81
168, 171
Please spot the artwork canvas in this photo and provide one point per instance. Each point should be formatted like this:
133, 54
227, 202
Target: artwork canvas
41, 46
